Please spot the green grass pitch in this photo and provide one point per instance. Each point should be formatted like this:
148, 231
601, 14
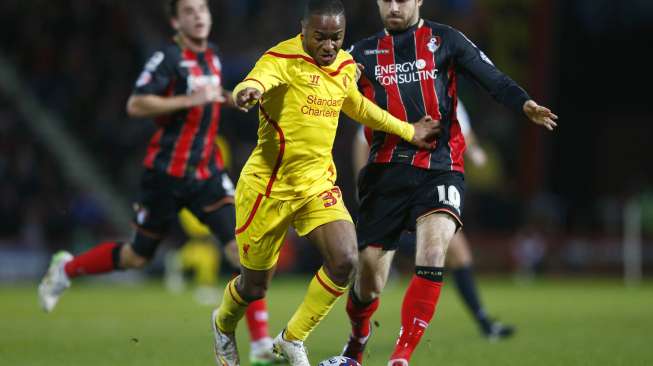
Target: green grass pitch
560, 322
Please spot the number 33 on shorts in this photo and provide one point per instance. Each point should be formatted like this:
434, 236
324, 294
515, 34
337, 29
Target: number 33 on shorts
331, 197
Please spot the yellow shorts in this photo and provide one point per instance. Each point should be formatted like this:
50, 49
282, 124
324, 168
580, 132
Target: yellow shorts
262, 222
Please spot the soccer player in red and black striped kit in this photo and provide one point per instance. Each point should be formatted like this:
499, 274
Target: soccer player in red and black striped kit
181, 90
410, 69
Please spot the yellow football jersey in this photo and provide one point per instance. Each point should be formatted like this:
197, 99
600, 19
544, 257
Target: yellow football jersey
298, 119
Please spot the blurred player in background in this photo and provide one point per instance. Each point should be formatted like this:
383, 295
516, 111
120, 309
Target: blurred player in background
459, 258
199, 254
301, 86
181, 89
410, 68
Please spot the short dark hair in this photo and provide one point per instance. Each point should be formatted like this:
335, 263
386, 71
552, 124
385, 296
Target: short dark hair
170, 6
323, 7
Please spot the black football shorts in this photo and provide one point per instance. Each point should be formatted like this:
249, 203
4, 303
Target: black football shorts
393, 196
163, 196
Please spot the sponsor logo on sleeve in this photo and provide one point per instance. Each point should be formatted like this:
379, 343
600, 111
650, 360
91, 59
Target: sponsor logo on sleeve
152, 64
154, 61
143, 79
483, 55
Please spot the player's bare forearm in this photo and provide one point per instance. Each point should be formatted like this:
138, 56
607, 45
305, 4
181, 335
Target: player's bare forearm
151, 105
540, 115
228, 99
146, 106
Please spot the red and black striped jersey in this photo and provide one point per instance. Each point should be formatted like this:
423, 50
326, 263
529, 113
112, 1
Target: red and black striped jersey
184, 142
412, 74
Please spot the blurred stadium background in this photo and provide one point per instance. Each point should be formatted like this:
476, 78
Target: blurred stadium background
551, 218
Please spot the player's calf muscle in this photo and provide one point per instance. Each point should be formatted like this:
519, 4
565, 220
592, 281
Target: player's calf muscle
371, 280
369, 288
129, 259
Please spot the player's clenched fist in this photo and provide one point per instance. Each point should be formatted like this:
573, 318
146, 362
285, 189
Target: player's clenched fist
425, 131
247, 98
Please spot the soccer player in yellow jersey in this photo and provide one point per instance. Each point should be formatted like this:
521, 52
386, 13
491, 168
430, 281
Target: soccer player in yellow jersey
301, 86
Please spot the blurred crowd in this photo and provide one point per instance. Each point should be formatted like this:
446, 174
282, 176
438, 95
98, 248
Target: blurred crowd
80, 59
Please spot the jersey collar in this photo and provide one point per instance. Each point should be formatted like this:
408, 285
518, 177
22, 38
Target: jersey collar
413, 27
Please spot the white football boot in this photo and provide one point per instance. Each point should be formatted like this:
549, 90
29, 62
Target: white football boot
226, 352
293, 351
262, 353
55, 281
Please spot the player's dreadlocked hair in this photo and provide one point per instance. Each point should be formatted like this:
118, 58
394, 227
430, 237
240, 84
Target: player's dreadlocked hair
323, 7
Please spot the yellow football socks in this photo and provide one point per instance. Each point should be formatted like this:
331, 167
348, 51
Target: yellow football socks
322, 294
231, 309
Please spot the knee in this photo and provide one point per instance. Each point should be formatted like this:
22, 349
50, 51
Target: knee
252, 291
343, 266
434, 253
130, 260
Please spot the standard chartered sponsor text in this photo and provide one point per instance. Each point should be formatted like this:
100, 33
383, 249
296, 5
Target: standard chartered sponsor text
321, 107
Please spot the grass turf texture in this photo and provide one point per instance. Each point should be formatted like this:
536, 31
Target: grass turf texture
575, 322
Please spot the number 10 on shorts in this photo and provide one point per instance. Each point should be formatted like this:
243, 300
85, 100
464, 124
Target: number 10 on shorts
449, 196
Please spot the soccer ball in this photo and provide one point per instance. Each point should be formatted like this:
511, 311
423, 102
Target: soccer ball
339, 361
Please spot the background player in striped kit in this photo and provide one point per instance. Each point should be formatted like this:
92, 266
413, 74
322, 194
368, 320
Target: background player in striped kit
181, 89
410, 68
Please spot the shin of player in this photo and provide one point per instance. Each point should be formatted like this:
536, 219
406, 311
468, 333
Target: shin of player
434, 232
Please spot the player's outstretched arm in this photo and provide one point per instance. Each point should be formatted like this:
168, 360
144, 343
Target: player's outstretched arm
420, 134
540, 115
505, 90
152, 105
268, 73
228, 99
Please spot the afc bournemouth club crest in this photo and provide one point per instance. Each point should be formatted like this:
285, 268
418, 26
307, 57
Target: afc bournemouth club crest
434, 44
